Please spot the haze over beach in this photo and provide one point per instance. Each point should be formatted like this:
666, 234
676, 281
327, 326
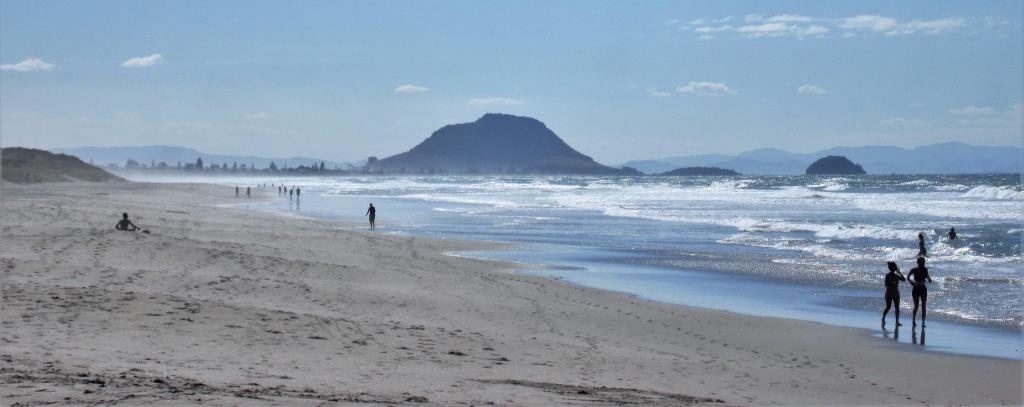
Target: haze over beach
521, 203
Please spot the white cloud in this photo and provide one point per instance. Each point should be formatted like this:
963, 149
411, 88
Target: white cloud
809, 89
706, 37
495, 102
801, 26
890, 26
766, 28
707, 89
789, 18
28, 65
971, 111
411, 89
713, 29
258, 116
903, 122
782, 29
869, 22
1009, 121
142, 62
658, 93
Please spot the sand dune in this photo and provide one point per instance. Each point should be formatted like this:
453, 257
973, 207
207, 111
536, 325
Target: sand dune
227, 306
32, 166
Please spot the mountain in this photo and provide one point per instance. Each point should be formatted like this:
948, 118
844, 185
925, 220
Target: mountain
31, 166
834, 165
944, 158
172, 155
494, 143
700, 171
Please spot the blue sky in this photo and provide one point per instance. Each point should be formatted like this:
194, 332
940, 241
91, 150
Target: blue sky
616, 80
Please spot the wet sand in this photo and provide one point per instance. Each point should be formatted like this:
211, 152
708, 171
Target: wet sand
227, 306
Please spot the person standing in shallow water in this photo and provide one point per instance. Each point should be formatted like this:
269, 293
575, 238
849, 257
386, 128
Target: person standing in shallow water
892, 291
921, 250
372, 213
917, 276
952, 234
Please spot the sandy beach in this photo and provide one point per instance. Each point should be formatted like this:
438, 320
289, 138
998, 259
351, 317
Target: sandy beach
228, 306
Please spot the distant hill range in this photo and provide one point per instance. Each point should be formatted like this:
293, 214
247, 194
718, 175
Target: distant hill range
31, 166
834, 165
494, 143
945, 158
171, 156
700, 171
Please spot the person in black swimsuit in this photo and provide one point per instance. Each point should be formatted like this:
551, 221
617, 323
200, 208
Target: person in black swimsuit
125, 224
372, 213
892, 291
917, 276
921, 250
952, 234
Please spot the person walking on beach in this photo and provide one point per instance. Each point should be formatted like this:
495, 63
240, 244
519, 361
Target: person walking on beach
952, 234
298, 191
892, 291
921, 250
917, 276
248, 192
291, 192
236, 191
372, 213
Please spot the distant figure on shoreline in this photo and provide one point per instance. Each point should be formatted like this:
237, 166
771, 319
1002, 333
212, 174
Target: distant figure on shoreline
921, 250
125, 224
236, 191
372, 213
952, 234
248, 192
892, 291
917, 276
291, 192
298, 191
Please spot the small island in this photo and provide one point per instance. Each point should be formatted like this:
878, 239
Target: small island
700, 171
834, 165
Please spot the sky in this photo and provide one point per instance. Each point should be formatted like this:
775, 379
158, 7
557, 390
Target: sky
616, 80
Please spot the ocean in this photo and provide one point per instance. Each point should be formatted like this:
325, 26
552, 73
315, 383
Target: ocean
803, 247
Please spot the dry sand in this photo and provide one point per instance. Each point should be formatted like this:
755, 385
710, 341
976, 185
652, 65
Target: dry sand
229, 306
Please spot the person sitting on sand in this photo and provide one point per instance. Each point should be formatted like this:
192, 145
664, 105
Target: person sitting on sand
125, 224
952, 234
372, 213
921, 250
917, 276
892, 291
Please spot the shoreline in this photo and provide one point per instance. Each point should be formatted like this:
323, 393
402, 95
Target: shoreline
536, 270
947, 335
233, 298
